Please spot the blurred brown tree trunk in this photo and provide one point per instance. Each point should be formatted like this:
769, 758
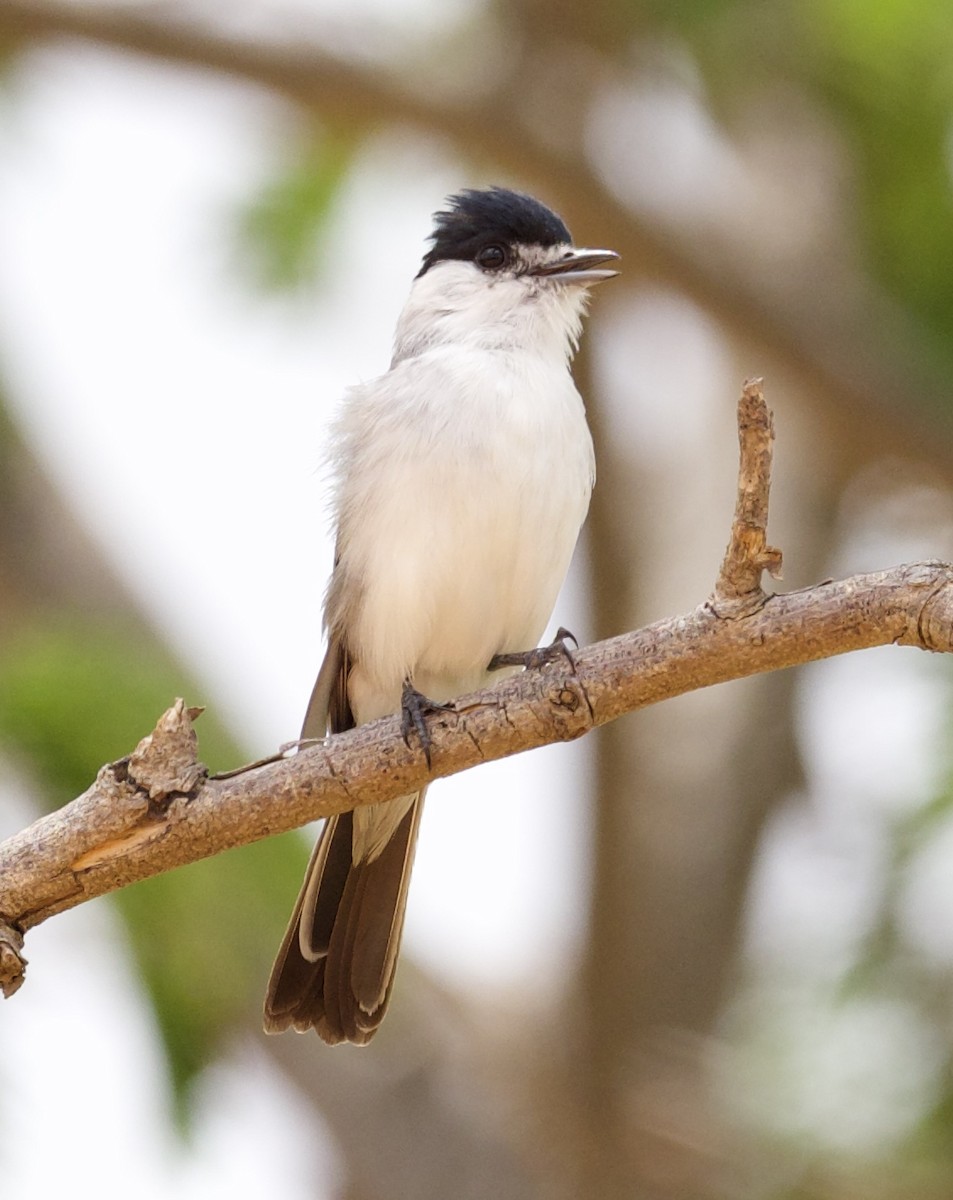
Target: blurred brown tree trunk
681, 795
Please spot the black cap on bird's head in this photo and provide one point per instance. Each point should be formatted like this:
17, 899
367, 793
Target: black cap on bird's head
476, 219
485, 226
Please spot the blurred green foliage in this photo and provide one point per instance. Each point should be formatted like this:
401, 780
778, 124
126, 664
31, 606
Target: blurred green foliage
79, 691
280, 230
886, 72
882, 73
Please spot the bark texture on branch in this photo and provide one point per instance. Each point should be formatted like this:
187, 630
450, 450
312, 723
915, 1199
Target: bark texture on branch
157, 809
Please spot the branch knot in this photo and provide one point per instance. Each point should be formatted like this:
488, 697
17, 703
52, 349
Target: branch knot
165, 762
935, 621
12, 962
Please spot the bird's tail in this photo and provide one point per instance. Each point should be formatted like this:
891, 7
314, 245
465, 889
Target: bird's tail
335, 968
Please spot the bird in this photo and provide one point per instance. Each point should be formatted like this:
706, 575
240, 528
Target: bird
460, 480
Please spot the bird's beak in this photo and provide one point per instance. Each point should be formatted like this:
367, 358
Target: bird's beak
579, 266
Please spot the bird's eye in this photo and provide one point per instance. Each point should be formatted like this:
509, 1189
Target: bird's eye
491, 258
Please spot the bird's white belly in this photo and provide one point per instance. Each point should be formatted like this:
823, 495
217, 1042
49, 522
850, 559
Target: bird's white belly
463, 545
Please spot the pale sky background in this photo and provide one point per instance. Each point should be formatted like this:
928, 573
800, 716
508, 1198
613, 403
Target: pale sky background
184, 416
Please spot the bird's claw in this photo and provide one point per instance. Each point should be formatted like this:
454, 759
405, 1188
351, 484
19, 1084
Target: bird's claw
540, 656
414, 707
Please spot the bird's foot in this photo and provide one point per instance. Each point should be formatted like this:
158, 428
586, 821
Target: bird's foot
534, 659
414, 707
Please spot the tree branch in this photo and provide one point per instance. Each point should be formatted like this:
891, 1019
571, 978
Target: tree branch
748, 553
158, 809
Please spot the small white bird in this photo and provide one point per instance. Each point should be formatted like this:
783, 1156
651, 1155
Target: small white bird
462, 477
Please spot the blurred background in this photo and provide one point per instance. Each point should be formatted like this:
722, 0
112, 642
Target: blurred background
712, 955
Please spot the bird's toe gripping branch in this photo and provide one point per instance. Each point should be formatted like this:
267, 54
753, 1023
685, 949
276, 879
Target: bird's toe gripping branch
540, 656
414, 707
